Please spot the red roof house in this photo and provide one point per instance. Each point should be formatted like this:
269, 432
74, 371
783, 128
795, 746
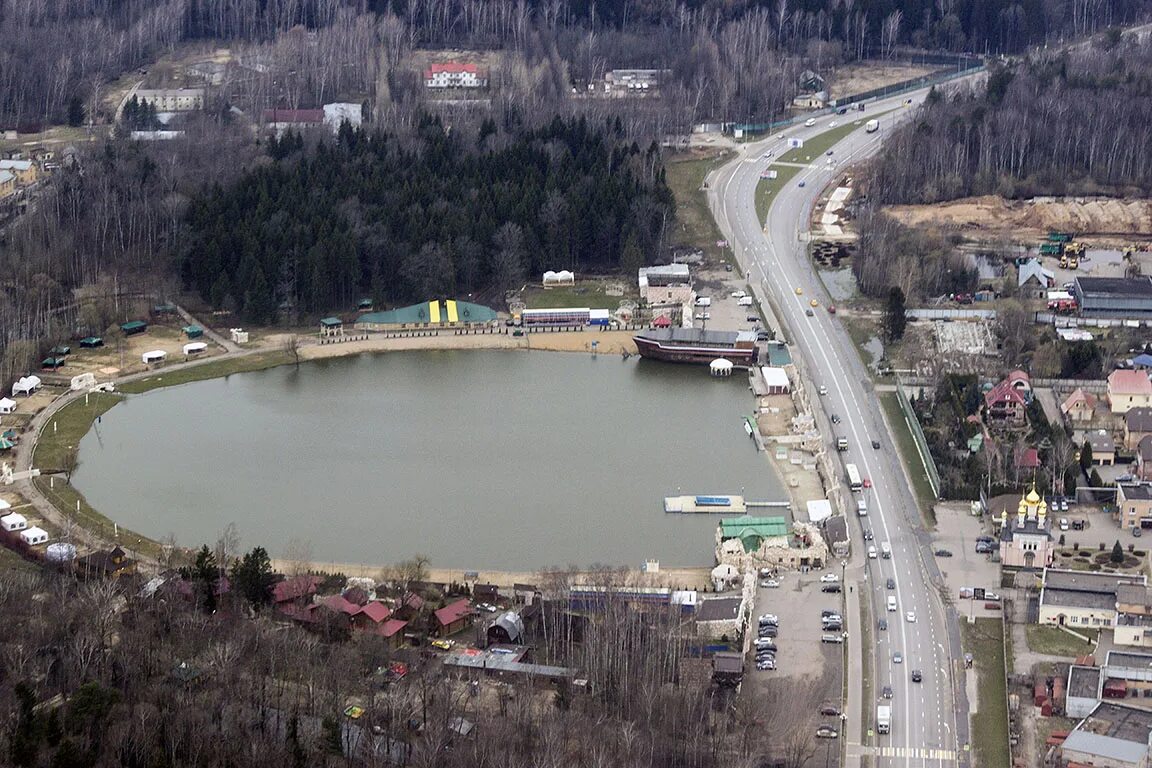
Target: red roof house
295, 588
453, 617
1027, 458
1004, 405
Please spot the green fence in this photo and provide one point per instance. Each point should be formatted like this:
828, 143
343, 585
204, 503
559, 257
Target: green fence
918, 436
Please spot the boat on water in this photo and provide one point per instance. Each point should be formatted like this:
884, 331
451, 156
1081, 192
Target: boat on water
693, 345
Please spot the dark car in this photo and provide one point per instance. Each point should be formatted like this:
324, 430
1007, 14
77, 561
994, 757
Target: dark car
943, 553
835, 419
868, 534
883, 625
830, 709
830, 588
886, 692
753, 318
876, 444
917, 676
809, 312
768, 632
891, 583
827, 612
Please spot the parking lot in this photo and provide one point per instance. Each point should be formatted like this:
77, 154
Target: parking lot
956, 531
725, 312
798, 602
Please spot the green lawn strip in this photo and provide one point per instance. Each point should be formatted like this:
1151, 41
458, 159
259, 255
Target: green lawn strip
63, 431
592, 296
64, 497
910, 454
212, 369
985, 641
768, 189
695, 226
867, 624
1056, 642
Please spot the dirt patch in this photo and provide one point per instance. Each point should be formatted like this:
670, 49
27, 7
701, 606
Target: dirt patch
857, 78
1097, 221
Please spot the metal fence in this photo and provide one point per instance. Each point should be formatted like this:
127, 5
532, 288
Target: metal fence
919, 438
951, 314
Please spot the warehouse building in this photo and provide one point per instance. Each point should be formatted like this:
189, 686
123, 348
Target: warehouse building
1114, 296
429, 314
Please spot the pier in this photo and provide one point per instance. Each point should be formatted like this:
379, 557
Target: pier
717, 505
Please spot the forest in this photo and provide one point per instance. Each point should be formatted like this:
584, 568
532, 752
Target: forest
1077, 123
199, 672
428, 216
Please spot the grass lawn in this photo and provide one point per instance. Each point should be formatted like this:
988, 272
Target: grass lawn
589, 295
867, 626
66, 428
985, 641
211, 369
910, 454
695, 226
768, 189
1056, 642
10, 561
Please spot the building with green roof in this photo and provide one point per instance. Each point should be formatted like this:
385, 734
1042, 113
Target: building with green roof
429, 314
752, 543
754, 531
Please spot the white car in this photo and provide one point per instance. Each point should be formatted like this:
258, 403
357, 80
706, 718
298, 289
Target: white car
829, 578
911, 617
832, 124
823, 390
810, 122
704, 316
1063, 523
737, 294
770, 583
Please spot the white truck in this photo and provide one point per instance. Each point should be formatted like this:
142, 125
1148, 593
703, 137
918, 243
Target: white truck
883, 719
872, 126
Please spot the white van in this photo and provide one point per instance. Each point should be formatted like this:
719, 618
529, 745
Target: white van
891, 602
810, 122
703, 301
871, 552
861, 507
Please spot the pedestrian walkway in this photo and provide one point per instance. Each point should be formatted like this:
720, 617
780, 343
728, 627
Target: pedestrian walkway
857, 751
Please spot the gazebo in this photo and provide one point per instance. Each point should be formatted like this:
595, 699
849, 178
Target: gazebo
663, 321
720, 367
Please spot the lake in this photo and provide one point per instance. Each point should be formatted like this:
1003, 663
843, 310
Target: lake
486, 459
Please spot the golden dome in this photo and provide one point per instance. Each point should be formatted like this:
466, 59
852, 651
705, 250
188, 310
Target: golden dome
1033, 498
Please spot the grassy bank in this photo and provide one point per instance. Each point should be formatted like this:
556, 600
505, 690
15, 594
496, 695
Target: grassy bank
72, 503
910, 455
212, 369
985, 641
584, 295
63, 431
695, 226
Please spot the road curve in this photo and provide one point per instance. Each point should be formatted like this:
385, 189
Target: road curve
929, 721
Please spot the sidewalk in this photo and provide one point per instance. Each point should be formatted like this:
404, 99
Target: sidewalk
854, 675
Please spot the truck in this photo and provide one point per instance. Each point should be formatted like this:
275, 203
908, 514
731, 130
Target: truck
883, 719
841, 444
885, 550
854, 481
872, 126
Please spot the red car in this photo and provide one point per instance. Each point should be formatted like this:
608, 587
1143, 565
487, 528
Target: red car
831, 309
867, 483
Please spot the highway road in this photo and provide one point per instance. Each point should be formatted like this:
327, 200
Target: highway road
927, 729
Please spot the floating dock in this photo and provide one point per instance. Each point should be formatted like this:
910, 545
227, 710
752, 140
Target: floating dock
716, 505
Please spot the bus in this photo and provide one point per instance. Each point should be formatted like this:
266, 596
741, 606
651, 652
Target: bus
854, 481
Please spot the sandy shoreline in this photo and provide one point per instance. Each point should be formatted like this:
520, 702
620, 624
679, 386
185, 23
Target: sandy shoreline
608, 343
677, 578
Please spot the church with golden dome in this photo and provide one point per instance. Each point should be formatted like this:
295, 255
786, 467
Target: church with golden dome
1026, 539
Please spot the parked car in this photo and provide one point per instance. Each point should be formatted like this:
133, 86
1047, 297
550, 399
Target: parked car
770, 583
765, 643
827, 612
867, 483
831, 588
830, 709
1064, 524
808, 312
829, 578
753, 318
801, 184
826, 732
769, 632
766, 665
769, 618
943, 553
832, 639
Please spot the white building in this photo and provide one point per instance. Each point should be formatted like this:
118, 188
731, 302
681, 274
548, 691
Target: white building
172, 99
343, 112
455, 75
665, 284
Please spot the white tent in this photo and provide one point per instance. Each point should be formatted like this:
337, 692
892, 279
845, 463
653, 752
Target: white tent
4, 506
563, 277
154, 356
14, 522
26, 385
34, 535
819, 510
7, 405
195, 348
